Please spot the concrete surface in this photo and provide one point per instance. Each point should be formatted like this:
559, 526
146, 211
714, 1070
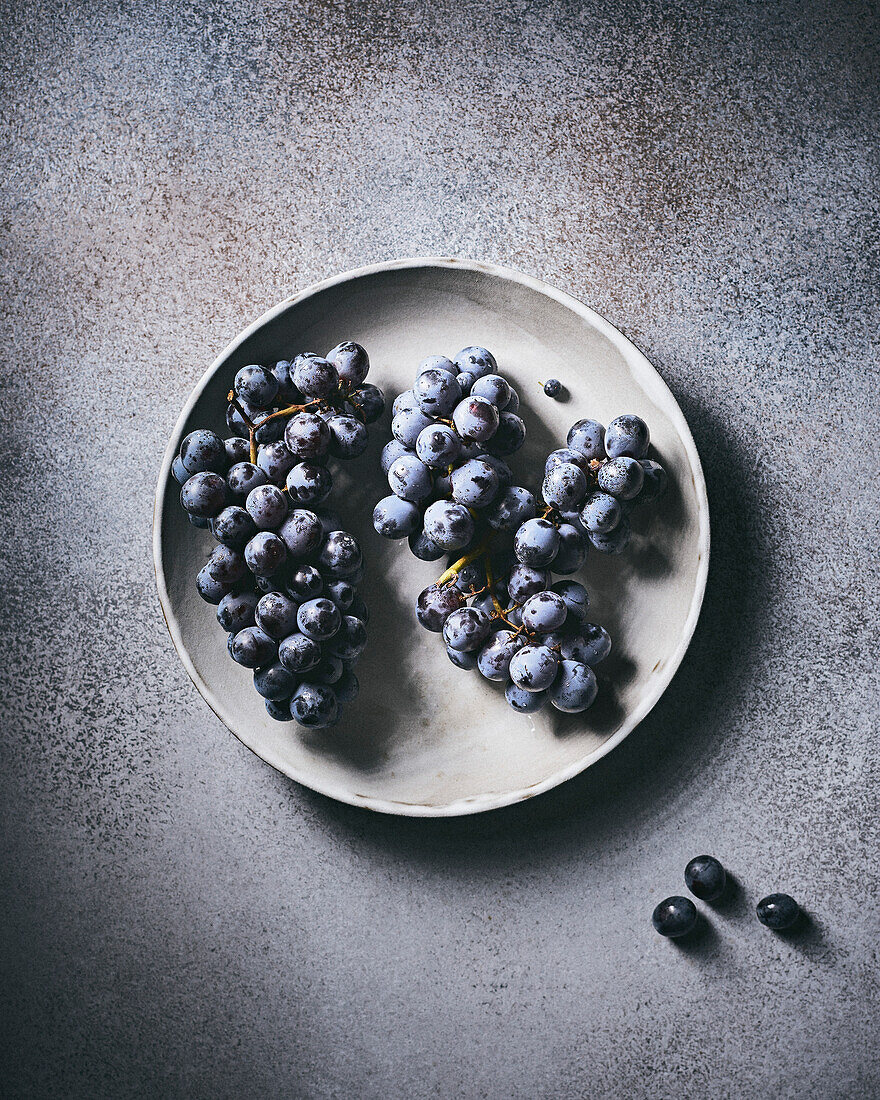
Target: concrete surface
180, 921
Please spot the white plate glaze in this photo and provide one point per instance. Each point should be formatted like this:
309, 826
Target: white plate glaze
424, 738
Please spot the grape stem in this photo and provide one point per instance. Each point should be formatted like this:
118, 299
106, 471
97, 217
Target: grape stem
452, 572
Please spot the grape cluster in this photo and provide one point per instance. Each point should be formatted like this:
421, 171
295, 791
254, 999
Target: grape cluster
284, 572
497, 605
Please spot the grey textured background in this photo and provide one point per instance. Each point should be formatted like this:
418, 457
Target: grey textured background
178, 920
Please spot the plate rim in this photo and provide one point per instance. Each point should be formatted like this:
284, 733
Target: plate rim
475, 803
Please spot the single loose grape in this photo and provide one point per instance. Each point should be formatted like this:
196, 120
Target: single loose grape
778, 911
552, 387
705, 878
675, 916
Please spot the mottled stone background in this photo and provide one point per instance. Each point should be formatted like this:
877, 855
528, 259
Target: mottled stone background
179, 920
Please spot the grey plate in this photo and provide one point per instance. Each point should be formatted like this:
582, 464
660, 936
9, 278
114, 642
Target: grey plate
423, 738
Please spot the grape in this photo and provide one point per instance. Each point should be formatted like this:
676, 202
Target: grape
351, 362
778, 911
505, 476
342, 593
436, 604
574, 689
465, 381
512, 405
564, 487
369, 402
314, 706
565, 456
392, 450
307, 436
486, 604
437, 392
423, 548
590, 645
534, 668
496, 654
601, 513
237, 450
236, 611
470, 577
340, 555
410, 478
467, 628
347, 687
279, 709
203, 450
309, 483
512, 508
348, 436
524, 581
476, 361
265, 554
319, 619
448, 524
287, 392
437, 445
204, 495
655, 483
314, 377
536, 543
572, 550
461, 659
233, 527
267, 506
394, 518
627, 435
252, 648
526, 702
225, 565
552, 387
256, 386
437, 362
276, 615
302, 533
405, 402
474, 483
268, 428
622, 478
180, 472
349, 640
327, 671
407, 424
235, 422
298, 653
275, 460
587, 437
210, 589
543, 612
494, 388
675, 916
705, 877
575, 598
274, 681
243, 477
614, 542
475, 419
509, 437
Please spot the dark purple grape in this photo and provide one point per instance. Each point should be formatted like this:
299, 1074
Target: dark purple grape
252, 648
211, 590
509, 437
243, 477
255, 385
340, 555
236, 611
307, 436
314, 706
233, 527
275, 460
304, 583
314, 377
274, 681
309, 483
276, 614
350, 640
237, 450
204, 495
298, 653
369, 402
267, 506
436, 604
225, 565
348, 436
302, 533
319, 619
265, 554
203, 450
351, 362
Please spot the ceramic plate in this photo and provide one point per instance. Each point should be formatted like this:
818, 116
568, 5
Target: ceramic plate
424, 738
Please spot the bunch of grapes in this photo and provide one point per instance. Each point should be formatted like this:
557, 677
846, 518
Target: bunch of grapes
284, 572
497, 606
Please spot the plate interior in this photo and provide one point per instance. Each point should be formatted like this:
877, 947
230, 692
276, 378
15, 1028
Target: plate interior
424, 737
